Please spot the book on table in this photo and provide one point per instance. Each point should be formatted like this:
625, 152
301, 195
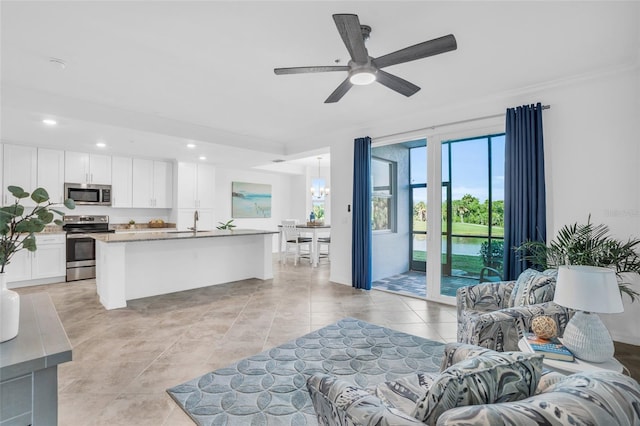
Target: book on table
550, 348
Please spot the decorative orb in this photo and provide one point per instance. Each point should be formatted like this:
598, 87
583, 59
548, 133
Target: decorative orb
544, 327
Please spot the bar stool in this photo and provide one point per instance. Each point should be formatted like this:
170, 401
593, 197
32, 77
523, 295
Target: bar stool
324, 244
294, 243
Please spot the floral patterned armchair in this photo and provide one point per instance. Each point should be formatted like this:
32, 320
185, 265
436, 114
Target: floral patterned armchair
477, 386
494, 315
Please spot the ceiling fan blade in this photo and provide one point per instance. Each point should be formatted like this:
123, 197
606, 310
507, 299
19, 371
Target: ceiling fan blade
398, 84
303, 70
349, 29
418, 51
339, 92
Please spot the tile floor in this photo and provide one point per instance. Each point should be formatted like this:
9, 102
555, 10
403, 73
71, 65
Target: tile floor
124, 359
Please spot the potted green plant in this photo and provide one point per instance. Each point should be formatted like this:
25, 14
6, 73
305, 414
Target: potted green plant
132, 224
17, 232
586, 244
226, 225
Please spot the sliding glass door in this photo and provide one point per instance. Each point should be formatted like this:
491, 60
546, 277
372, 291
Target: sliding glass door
473, 217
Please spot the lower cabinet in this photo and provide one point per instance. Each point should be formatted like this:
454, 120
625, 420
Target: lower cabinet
48, 261
205, 219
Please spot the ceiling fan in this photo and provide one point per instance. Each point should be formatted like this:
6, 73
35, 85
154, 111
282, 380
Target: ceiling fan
363, 69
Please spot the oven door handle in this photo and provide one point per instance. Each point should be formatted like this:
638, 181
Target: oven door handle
77, 236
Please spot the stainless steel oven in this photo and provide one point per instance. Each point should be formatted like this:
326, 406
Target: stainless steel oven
81, 248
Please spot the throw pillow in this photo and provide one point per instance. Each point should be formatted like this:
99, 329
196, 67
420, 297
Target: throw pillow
484, 379
534, 287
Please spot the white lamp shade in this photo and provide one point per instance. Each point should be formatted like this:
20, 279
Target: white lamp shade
588, 288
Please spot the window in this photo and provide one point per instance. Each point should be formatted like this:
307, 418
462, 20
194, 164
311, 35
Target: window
383, 196
319, 192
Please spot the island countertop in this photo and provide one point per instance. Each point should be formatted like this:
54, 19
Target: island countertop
125, 237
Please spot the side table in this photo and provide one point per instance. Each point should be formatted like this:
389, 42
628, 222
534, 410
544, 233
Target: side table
29, 364
577, 366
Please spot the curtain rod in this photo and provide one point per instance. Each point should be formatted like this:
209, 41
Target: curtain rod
451, 123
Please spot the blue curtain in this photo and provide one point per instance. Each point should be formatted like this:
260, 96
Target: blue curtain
361, 223
524, 197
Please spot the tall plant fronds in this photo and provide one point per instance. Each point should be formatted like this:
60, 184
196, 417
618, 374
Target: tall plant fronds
586, 244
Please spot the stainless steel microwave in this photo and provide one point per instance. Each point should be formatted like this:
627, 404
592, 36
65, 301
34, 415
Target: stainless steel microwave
96, 195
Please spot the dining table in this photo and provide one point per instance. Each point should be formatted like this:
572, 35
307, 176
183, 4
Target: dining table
306, 228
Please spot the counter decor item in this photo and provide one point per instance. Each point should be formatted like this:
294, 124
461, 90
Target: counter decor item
228, 225
132, 224
156, 223
316, 223
17, 232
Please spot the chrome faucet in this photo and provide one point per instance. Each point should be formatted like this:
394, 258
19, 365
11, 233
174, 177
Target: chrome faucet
195, 220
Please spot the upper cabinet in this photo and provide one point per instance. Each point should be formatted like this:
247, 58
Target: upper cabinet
51, 173
19, 168
121, 182
196, 186
80, 167
152, 184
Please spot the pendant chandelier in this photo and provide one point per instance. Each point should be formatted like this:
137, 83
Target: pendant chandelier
319, 191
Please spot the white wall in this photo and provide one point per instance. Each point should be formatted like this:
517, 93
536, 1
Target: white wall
390, 250
592, 159
342, 198
285, 201
119, 216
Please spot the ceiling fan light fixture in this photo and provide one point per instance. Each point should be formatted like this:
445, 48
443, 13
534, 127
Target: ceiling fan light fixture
362, 78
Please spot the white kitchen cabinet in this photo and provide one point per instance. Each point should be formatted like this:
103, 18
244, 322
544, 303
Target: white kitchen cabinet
152, 184
121, 182
196, 186
19, 168
81, 167
19, 268
51, 173
205, 219
48, 261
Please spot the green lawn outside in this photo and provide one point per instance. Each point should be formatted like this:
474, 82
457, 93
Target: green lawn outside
462, 228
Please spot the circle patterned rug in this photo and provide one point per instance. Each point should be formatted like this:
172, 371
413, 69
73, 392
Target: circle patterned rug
270, 388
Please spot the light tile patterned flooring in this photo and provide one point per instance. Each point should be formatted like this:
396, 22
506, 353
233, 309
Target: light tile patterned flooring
124, 359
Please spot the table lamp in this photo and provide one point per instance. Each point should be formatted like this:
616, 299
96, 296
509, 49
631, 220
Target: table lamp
588, 290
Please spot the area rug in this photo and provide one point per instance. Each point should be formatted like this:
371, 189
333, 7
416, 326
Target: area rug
270, 388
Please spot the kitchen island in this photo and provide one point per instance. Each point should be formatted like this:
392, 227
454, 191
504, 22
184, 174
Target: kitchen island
135, 265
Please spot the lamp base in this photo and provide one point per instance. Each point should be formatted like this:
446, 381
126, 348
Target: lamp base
587, 338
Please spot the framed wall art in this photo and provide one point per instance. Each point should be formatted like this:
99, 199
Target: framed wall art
250, 200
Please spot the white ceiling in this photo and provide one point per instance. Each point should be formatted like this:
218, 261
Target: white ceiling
147, 77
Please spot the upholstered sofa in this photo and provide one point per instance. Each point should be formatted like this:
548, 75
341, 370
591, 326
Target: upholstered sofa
478, 386
493, 315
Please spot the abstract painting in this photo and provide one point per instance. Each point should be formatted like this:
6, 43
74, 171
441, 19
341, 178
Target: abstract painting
250, 200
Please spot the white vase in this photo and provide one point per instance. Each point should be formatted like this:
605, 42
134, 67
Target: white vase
9, 311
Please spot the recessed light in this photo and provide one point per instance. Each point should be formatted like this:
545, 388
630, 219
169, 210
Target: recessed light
191, 145
49, 122
202, 157
101, 144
